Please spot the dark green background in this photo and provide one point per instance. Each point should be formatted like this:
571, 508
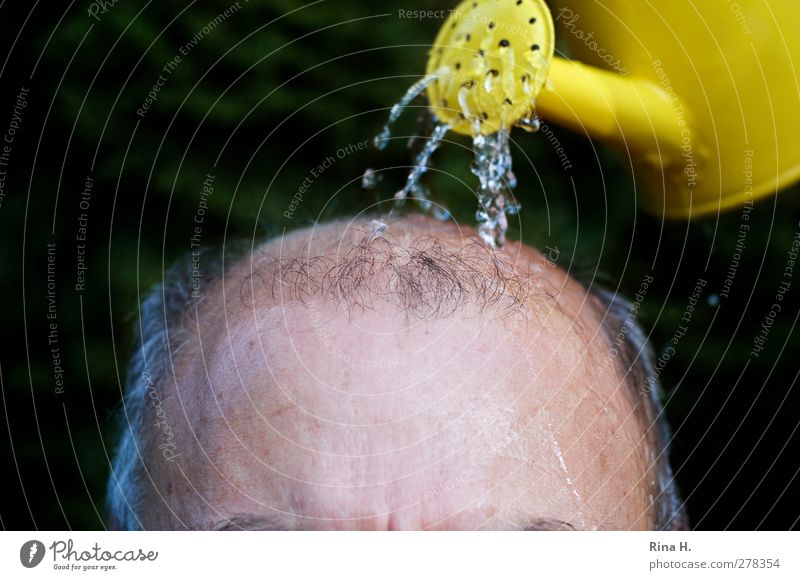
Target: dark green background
271, 101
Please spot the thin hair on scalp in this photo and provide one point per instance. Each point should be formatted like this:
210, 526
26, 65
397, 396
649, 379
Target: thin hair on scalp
422, 278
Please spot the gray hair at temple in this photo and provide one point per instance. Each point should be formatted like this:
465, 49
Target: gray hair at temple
163, 330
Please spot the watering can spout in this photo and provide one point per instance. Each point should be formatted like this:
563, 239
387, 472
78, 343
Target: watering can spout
634, 114
701, 97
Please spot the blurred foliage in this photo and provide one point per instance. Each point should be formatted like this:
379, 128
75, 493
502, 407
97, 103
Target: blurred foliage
264, 97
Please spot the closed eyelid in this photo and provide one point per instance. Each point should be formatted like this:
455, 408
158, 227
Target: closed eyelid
548, 525
241, 523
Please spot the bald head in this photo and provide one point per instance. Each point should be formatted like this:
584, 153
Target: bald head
397, 375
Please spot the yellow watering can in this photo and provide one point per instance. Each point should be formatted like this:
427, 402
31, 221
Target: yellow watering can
703, 96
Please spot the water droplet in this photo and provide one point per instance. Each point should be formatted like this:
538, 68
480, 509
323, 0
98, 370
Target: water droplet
507, 71
382, 139
526, 84
713, 299
463, 93
511, 179
488, 82
529, 124
378, 227
370, 178
441, 213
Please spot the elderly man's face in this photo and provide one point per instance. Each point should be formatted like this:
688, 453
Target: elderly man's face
349, 406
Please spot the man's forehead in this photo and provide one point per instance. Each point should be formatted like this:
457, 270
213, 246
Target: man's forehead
308, 376
343, 449
345, 362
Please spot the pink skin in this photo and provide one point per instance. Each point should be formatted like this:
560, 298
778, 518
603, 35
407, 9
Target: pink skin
312, 416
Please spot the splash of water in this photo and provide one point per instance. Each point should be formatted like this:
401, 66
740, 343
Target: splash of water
569, 481
382, 139
492, 167
413, 186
